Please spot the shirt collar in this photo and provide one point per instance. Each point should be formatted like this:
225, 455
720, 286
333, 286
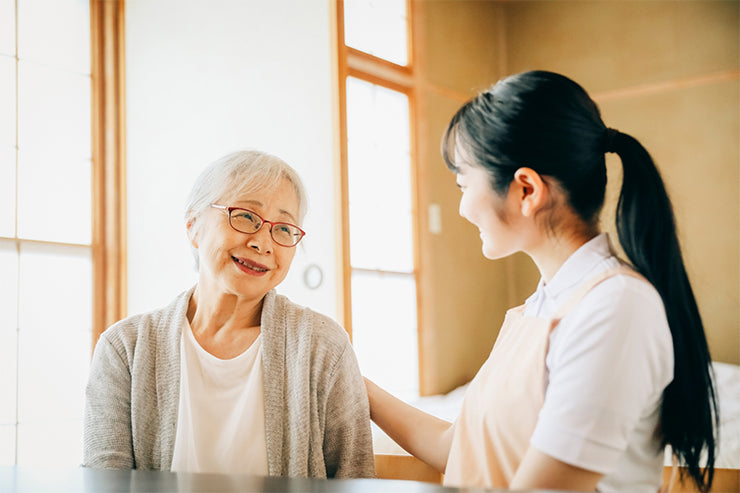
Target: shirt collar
576, 268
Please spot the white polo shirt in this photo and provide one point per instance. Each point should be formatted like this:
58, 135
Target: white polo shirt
608, 363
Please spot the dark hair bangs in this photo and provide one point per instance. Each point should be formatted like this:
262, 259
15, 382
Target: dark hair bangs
449, 138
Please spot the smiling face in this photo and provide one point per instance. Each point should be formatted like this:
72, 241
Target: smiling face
245, 265
494, 215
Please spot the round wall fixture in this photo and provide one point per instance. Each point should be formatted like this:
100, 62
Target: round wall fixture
313, 276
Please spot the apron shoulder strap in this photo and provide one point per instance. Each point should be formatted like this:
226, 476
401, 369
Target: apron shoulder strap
584, 288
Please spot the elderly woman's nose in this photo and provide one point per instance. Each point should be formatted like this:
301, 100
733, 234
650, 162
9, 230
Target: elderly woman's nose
261, 240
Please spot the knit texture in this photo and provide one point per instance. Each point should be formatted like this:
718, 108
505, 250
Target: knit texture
317, 420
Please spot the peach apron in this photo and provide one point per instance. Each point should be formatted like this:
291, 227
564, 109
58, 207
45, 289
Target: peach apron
503, 401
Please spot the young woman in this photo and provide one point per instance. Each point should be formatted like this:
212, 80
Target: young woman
607, 362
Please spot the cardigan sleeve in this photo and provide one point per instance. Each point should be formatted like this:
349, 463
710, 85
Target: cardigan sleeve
348, 449
107, 437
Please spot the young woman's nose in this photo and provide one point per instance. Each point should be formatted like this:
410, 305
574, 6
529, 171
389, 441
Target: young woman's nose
462, 210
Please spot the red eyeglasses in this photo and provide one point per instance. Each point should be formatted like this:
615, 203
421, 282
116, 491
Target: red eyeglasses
249, 222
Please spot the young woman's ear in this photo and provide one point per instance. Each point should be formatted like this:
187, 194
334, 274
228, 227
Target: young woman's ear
192, 230
532, 191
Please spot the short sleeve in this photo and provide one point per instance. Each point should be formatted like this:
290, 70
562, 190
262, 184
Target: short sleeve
608, 364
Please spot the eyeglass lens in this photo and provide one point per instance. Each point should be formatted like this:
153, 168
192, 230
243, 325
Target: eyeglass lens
248, 222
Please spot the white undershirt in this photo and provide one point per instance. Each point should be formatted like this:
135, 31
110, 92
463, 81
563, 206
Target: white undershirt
608, 362
221, 415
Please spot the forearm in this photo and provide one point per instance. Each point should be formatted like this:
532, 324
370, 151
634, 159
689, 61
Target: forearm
423, 435
539, 470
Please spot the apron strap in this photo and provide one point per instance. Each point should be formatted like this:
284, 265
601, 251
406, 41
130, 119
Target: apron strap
583, 290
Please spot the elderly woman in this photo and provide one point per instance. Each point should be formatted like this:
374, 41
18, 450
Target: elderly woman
231, 377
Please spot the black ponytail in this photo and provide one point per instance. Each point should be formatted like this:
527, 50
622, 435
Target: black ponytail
647, 233
547, 122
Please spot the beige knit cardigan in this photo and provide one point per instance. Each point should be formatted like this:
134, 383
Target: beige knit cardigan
317, 421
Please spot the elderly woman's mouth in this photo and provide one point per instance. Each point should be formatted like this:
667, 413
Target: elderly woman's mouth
250, 267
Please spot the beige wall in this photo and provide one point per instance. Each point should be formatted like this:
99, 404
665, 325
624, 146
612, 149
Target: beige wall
463, 295
666, 72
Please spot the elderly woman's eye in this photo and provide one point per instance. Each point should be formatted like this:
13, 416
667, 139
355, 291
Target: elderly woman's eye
246, 215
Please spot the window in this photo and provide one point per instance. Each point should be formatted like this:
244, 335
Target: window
365, 19
50, 224
45, 247
383, 282
380, 274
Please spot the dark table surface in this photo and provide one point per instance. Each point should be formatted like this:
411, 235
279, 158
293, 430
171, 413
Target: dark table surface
19, 479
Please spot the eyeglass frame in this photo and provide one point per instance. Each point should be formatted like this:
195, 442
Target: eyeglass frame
229, 209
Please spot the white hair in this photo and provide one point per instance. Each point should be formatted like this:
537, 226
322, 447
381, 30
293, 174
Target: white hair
237, 174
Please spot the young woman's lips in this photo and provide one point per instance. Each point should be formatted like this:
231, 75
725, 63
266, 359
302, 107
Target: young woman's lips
249, 267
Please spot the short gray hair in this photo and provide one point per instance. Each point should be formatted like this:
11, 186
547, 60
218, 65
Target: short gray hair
240, 173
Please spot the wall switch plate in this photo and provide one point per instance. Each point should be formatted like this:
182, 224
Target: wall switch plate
435, 219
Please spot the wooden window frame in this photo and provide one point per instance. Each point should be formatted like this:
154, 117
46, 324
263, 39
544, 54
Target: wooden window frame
350, 62
107, 32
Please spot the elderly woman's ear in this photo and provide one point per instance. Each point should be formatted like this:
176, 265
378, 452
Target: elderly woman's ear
192, 230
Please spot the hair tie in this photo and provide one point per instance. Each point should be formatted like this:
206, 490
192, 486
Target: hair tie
610, 139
